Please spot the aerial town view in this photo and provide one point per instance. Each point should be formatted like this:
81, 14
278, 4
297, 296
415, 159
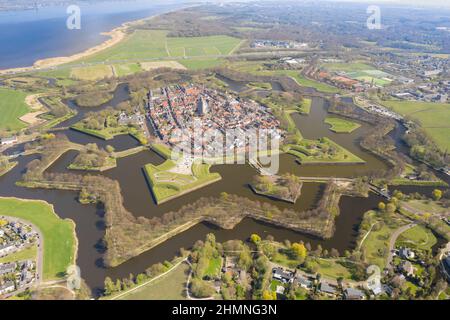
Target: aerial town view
264, 150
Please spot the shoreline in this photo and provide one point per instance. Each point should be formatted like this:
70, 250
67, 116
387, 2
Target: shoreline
115, 35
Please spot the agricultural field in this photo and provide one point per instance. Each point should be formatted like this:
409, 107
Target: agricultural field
169, 287
126, 69
339, 125
145, 45
96, 72
12, 107
60, 243
147, 66
433, 117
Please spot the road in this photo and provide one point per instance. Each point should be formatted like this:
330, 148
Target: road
40, 254
392, 241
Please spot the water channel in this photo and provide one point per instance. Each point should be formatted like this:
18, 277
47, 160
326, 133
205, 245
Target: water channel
235, 179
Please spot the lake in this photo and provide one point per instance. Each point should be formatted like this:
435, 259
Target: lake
30, 35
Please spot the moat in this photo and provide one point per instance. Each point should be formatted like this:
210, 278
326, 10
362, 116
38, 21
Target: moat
235, 178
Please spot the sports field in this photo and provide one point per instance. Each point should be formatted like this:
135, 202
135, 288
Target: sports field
433, 117
12, 107
154, 44
361, 72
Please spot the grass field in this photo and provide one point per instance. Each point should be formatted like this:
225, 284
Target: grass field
162, 64
96, 72
12, 107
167, 184
59, 235
305, 107
341, 125
24, 254
126, 69
314, 151
213, 270
154, 44
322, 87
428, 206
200, 63
417, 237
376, 244
257, 68
168, 287
433, 117
360, 71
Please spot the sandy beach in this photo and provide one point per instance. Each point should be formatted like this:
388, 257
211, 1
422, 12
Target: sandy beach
115, 36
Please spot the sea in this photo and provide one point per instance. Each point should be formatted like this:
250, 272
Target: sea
30, 35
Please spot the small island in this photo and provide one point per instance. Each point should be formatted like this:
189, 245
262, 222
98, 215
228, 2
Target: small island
92, 158
340, 125
321, 151
286, 187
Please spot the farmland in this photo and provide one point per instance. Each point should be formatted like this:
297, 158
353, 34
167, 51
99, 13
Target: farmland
96, 72
433, 117
154, 44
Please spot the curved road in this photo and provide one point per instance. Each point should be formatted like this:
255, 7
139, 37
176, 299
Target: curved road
392, 241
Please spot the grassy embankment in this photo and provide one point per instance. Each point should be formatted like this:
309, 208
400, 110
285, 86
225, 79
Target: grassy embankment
59, 243
433, 117
318, 151
12, 107
167, 184
339, 125
111, 132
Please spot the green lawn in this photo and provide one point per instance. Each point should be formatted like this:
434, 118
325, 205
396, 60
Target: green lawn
376, 244
322, 87
417, 237
305, 107
318, 151
330, 268
428, 206
166, 184
201, 63
214, 267
12, 107
169, 287
24, 254
154, 44
340, 125
59, 235
433, 117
